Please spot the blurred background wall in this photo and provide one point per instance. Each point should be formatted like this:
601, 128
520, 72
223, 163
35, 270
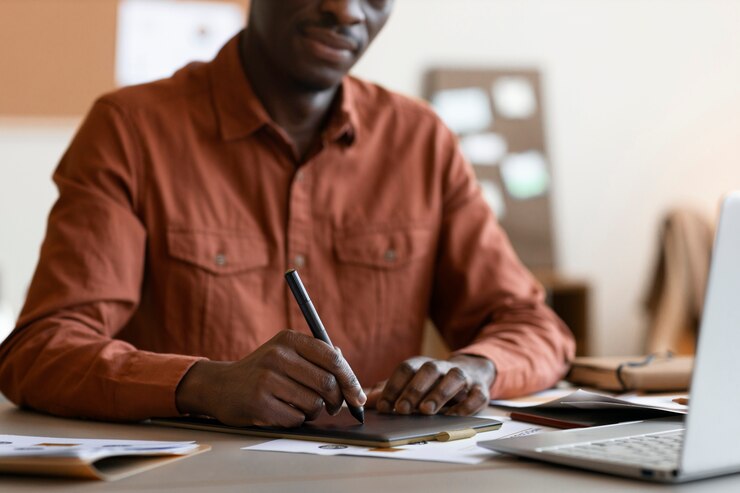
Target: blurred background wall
642, 107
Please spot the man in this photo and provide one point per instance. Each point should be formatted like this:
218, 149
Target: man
159, 289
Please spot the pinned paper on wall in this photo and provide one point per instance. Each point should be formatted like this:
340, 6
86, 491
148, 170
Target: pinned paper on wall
525, 175
464, 110
514, 98
484, 149
155, 38
507, 150
494, 198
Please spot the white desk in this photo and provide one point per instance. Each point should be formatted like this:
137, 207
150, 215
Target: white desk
227, 468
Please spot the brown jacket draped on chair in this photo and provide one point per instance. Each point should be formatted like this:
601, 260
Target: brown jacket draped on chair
676, 295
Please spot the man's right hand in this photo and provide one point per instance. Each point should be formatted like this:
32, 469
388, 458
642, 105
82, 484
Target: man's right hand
285, 382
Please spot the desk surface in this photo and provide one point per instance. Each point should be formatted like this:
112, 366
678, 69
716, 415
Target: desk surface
227, 468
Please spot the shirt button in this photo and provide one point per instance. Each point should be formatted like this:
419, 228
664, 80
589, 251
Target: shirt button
390, 255
220, 260
299, 261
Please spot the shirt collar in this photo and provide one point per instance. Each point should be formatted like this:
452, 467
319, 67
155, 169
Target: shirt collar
241, 113
344, 123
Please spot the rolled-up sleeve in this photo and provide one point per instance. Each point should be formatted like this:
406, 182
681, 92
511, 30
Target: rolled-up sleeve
485, 302
63, 357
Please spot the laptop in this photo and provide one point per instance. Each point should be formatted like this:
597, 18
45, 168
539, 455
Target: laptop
672, 450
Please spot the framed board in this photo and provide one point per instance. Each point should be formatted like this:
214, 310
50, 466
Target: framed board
57, 56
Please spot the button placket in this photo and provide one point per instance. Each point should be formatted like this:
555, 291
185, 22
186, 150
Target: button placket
299, 234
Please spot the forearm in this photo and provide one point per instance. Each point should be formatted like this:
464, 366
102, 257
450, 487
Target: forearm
531, 349
59, 366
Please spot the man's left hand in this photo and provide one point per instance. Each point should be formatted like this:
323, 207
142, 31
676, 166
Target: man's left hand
458, 386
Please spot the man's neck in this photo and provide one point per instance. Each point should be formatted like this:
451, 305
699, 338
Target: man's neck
301, 112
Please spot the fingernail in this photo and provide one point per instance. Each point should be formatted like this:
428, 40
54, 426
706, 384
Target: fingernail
403, 407
363, 398
429, 407
384, 406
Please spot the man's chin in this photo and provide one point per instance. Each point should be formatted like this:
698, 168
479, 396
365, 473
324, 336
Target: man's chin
319, 80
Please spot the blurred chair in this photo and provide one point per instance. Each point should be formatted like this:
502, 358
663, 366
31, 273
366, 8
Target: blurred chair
676, 295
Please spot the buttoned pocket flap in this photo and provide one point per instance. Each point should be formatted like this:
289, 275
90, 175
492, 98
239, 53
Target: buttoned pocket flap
383, 249
218, 252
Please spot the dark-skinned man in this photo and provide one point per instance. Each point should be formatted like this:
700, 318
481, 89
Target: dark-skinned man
159, 289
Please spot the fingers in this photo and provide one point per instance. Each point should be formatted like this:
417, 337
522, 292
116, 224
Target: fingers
278, 401
422, 385
324, 356
303, 399
476, 400
431, 388
401, 377
418, 387
449, 387
313, 377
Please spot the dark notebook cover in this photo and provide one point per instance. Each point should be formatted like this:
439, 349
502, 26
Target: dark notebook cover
379, 430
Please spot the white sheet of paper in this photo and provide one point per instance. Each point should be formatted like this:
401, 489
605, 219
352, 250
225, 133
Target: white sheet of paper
457, 451
661, 401
525, 175
464, 110
484, 149
494, 197
157, 37
514, 98
85, 448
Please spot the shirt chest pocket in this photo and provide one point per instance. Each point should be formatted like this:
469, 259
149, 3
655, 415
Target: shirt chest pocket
384, 278
385, 250
215, 286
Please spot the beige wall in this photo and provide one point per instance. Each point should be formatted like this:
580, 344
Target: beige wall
643, 112
28, 153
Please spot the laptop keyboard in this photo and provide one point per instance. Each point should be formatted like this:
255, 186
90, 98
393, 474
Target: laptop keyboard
655, 451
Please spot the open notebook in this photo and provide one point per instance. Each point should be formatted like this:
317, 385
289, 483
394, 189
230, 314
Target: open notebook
583, 409
88, 458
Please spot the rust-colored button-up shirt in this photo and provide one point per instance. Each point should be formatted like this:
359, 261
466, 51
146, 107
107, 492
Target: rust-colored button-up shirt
181, 206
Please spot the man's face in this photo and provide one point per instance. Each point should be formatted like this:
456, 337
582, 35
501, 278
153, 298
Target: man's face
316, 42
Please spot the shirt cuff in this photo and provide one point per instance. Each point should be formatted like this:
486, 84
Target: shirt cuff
151, 385
515, 374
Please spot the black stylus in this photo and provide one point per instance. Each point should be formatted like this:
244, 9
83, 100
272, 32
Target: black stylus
314, 323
